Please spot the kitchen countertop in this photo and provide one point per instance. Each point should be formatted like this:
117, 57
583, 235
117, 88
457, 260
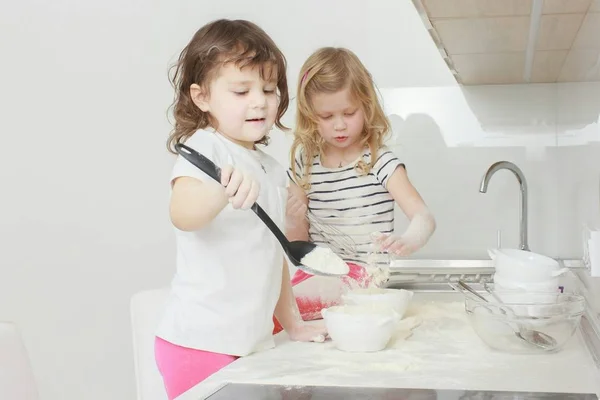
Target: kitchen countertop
443, 353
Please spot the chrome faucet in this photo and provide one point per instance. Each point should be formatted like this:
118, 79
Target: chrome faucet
523, 184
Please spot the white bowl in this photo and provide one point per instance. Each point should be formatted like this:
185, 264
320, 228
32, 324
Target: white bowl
502, 283
508, 288
525, 266
397, 299
360, 328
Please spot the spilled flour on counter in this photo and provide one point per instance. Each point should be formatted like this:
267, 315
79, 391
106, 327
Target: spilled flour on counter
404, 331
426, 332
443, 352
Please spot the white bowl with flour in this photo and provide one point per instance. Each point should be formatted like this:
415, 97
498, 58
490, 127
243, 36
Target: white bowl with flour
356, 328
396, 299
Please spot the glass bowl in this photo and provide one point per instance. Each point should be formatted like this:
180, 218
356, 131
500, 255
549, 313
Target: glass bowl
554, 314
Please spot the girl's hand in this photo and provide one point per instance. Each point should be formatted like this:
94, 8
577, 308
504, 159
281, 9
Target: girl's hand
417, 234
295, 209
240, 187
398, 245
313, 332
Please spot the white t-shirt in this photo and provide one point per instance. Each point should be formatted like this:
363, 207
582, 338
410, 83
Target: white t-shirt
229, 273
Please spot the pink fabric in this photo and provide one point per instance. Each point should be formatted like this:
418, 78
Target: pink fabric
183, 368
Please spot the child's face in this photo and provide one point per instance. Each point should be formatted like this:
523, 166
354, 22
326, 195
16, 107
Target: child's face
243, 105
340, 117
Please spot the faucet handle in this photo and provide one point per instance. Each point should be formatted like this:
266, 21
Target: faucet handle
499, 239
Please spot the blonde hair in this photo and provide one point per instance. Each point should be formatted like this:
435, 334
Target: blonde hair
223, 41
328, 70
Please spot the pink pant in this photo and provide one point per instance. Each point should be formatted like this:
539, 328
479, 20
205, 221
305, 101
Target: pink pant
183, 368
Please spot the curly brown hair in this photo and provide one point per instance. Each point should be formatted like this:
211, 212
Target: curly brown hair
215, 44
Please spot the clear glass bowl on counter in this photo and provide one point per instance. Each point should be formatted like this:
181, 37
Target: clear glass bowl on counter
555, 314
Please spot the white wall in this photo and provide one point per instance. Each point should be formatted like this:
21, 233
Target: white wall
450, 136
83, 222
578, 183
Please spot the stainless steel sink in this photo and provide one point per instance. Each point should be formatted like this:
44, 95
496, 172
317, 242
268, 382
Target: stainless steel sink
399, 264
434, 274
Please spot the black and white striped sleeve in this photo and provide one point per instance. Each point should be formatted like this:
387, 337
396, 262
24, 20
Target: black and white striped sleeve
299, 168
386, 164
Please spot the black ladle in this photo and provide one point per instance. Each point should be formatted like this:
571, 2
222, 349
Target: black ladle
295, 250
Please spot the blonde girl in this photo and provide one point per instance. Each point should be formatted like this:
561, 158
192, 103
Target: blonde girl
343, 174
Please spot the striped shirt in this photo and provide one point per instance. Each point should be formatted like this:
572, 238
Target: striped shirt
347, 207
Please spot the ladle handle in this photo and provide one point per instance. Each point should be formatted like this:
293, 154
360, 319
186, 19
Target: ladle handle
198, 160
212, 170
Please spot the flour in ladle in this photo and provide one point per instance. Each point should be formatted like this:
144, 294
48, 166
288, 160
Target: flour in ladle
322, 259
